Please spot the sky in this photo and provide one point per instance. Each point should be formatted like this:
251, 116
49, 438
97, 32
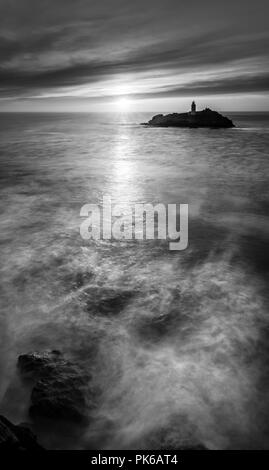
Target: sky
134, 55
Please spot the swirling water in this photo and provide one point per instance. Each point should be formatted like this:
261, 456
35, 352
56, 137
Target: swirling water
175, 340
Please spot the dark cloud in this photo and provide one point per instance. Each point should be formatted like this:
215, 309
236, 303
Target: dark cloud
46, 45
239, 84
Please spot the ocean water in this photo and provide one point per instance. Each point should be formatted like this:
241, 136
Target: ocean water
177, 342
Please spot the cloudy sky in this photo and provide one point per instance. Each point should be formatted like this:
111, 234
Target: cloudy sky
138, 54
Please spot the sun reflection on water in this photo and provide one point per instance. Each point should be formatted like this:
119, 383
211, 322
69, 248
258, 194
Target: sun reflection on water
124, 176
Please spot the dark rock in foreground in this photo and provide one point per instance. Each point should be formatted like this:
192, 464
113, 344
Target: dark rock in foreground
16, 437
61, 391
205, 118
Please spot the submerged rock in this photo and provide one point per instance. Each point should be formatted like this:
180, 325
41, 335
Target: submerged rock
205, 118
106, 301
62, 390
177, 434
14, 437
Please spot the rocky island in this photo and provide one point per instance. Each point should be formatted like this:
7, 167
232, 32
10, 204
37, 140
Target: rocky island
192, 119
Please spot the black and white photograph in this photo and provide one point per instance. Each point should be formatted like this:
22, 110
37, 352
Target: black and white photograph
134, 224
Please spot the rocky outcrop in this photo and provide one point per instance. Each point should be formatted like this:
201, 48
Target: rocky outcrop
61, 389
14, 437
205, 118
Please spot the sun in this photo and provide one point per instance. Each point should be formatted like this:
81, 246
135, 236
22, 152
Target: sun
123, 104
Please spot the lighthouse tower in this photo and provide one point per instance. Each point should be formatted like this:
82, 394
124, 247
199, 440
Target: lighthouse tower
193, 108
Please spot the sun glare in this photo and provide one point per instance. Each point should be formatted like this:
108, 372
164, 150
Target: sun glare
123, 104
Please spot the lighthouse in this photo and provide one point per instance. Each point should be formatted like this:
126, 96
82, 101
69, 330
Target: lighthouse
193, 108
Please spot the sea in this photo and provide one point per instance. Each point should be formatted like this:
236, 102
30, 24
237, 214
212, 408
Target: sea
177, 342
